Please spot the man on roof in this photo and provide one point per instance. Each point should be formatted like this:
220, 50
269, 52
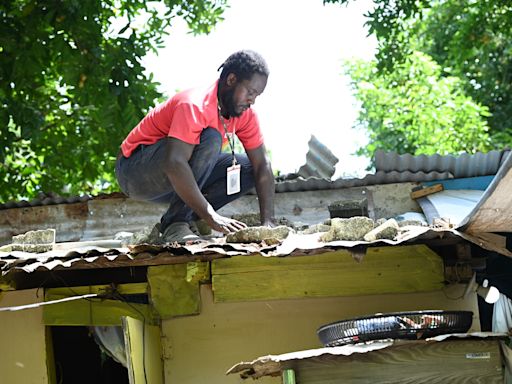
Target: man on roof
174, 154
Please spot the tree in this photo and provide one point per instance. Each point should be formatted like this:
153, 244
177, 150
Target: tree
416, 110
469, 39
72, 85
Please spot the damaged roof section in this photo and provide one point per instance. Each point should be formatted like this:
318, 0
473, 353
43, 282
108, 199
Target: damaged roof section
320, 161
492, 213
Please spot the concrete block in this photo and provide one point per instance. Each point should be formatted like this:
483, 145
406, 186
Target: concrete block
259, 234
352, 229
34, 241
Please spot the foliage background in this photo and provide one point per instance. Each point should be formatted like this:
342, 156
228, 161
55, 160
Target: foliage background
468, 106
72, 83
72, 86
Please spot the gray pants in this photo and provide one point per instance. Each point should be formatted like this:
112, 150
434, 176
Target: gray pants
141, 176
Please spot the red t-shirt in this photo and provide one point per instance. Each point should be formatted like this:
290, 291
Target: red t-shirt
185, 115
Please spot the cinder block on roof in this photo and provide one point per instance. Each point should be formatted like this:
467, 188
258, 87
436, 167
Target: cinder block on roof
352, 229
34, 241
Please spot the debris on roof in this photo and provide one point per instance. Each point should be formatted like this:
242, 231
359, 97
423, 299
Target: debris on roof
491, 213
320, 161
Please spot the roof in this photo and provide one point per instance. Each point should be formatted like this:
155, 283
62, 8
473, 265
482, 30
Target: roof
493, 213
390, 168
464, 165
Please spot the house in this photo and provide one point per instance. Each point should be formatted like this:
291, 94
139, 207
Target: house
186, 314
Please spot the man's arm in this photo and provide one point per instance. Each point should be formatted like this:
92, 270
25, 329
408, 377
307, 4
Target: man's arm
264, 180
177, 169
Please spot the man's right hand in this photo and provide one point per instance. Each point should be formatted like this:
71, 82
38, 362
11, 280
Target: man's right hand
223, 224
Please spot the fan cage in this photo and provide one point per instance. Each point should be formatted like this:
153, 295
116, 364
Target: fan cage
398, 325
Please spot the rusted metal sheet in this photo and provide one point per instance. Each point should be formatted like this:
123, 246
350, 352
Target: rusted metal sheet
68, 219
96, 257
316, 184
88, 220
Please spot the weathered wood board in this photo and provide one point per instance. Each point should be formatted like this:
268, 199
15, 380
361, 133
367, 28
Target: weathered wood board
399, 269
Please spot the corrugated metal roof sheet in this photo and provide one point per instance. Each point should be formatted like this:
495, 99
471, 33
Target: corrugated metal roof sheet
465, 165
314, 183
320, 161
390, 168
93, 257
45, 200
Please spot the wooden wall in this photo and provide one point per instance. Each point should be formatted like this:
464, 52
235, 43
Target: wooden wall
200, 349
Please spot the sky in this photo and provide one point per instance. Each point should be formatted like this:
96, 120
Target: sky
304, 43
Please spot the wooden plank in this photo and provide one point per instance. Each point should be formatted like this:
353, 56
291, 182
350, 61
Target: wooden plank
426, 191
123, 289
399, 269
94, 311
449, 361
175, 288
50, 357
143, 352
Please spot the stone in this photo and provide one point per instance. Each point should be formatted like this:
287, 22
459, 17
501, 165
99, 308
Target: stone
34, 241
352, 229
249, 219
405, 223
387, 230
316, 228
259, 234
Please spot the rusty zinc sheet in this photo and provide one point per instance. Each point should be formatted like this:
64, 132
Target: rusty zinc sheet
98, 255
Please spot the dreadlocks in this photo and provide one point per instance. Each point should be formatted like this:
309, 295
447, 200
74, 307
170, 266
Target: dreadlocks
244, 64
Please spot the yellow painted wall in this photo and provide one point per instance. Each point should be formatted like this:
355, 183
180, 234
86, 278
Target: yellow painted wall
200, 349
22, 340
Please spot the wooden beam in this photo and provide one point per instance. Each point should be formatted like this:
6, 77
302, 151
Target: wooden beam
143, 352
94, 311
103, 289
397, 269
174, 289
426, 191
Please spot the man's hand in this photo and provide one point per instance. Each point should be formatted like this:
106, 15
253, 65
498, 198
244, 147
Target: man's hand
223, 224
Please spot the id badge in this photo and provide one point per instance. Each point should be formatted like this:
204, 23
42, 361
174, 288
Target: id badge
233, 179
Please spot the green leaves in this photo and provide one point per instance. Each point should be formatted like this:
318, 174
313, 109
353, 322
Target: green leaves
415, 110
72, 86
468, 39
